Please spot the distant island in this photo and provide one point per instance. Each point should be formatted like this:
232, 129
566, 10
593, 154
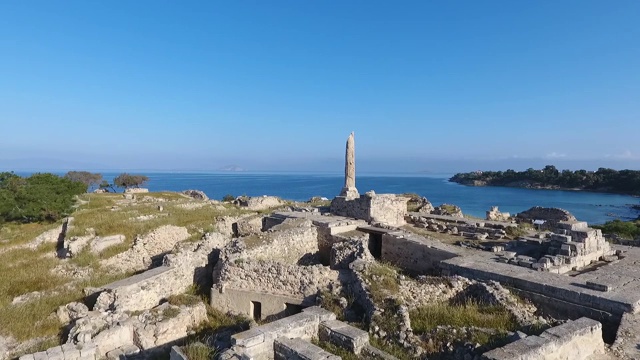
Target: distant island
231, 168
602, 180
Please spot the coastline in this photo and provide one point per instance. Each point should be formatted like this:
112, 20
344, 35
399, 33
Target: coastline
480, 183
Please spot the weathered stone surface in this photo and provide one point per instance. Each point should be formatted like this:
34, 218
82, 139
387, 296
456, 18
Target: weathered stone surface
258, 343
343, 335
258, 203
187, 264
157, 242
136, 190
495, 215
376, 208
196, 194
349, 190
99, 244
573, 340
248, 226
298, 349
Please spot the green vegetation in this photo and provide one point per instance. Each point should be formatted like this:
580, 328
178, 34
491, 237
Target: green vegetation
336, 350
624, 229
602, 180
383, 281
516, 231
199, 351
126, 181
228, 198
475, 317
37, 198
107, 214
85, 177
427, 318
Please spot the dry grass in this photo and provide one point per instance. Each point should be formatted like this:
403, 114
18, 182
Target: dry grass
16, 234
336, 350
427, 318
23, 270
383, 281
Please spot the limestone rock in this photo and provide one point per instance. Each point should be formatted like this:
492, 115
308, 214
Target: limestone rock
248, 226
135, 190
196, 194
259, 203
99, 244
448, 210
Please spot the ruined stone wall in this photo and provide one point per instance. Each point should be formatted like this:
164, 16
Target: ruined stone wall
286, 246
574, 340
415, 253
292, 281
380, 208
241, 302
187, 265
258, 343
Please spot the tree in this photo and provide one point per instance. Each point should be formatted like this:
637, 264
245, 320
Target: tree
126, 181
39, 197
85, 177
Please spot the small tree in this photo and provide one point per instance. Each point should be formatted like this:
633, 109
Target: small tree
228, 198
85, 177
126, 181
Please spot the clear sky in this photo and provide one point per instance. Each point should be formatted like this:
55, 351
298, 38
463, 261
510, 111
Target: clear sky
279, 85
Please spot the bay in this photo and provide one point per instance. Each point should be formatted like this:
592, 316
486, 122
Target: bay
595, 208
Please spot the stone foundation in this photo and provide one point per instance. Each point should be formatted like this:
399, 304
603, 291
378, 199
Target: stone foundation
380, 208
573, 340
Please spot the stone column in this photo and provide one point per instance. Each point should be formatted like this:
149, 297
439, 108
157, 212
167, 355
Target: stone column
349, 190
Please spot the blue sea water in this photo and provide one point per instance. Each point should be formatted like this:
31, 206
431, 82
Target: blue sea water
595, 208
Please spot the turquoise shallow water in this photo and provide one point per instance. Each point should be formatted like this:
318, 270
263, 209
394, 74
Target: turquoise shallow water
592, 207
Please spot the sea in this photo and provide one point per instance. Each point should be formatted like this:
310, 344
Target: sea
595, 208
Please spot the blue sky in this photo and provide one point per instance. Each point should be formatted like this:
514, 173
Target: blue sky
426, 85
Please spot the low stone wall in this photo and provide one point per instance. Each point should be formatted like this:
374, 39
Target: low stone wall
415, 253
188, 265
569, 289
343, 335
298, 349
66, 352
573, 340
244, 302
258, 343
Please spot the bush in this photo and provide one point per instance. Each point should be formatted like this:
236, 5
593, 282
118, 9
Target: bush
39, 197
228, 198
125, 180
85, 177
625, 229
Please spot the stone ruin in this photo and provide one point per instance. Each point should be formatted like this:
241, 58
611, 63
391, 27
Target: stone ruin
495, 215
371, 207
567, 245
277, 267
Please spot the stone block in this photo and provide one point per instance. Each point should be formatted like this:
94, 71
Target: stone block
319, 313
116, 354
26, 357
113, 338
71, 352
298, 349
343, 335
55, 353
89, 351
248, 338
42, 355
177, 354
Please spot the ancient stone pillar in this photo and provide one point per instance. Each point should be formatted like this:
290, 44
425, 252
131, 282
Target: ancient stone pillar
349, 190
